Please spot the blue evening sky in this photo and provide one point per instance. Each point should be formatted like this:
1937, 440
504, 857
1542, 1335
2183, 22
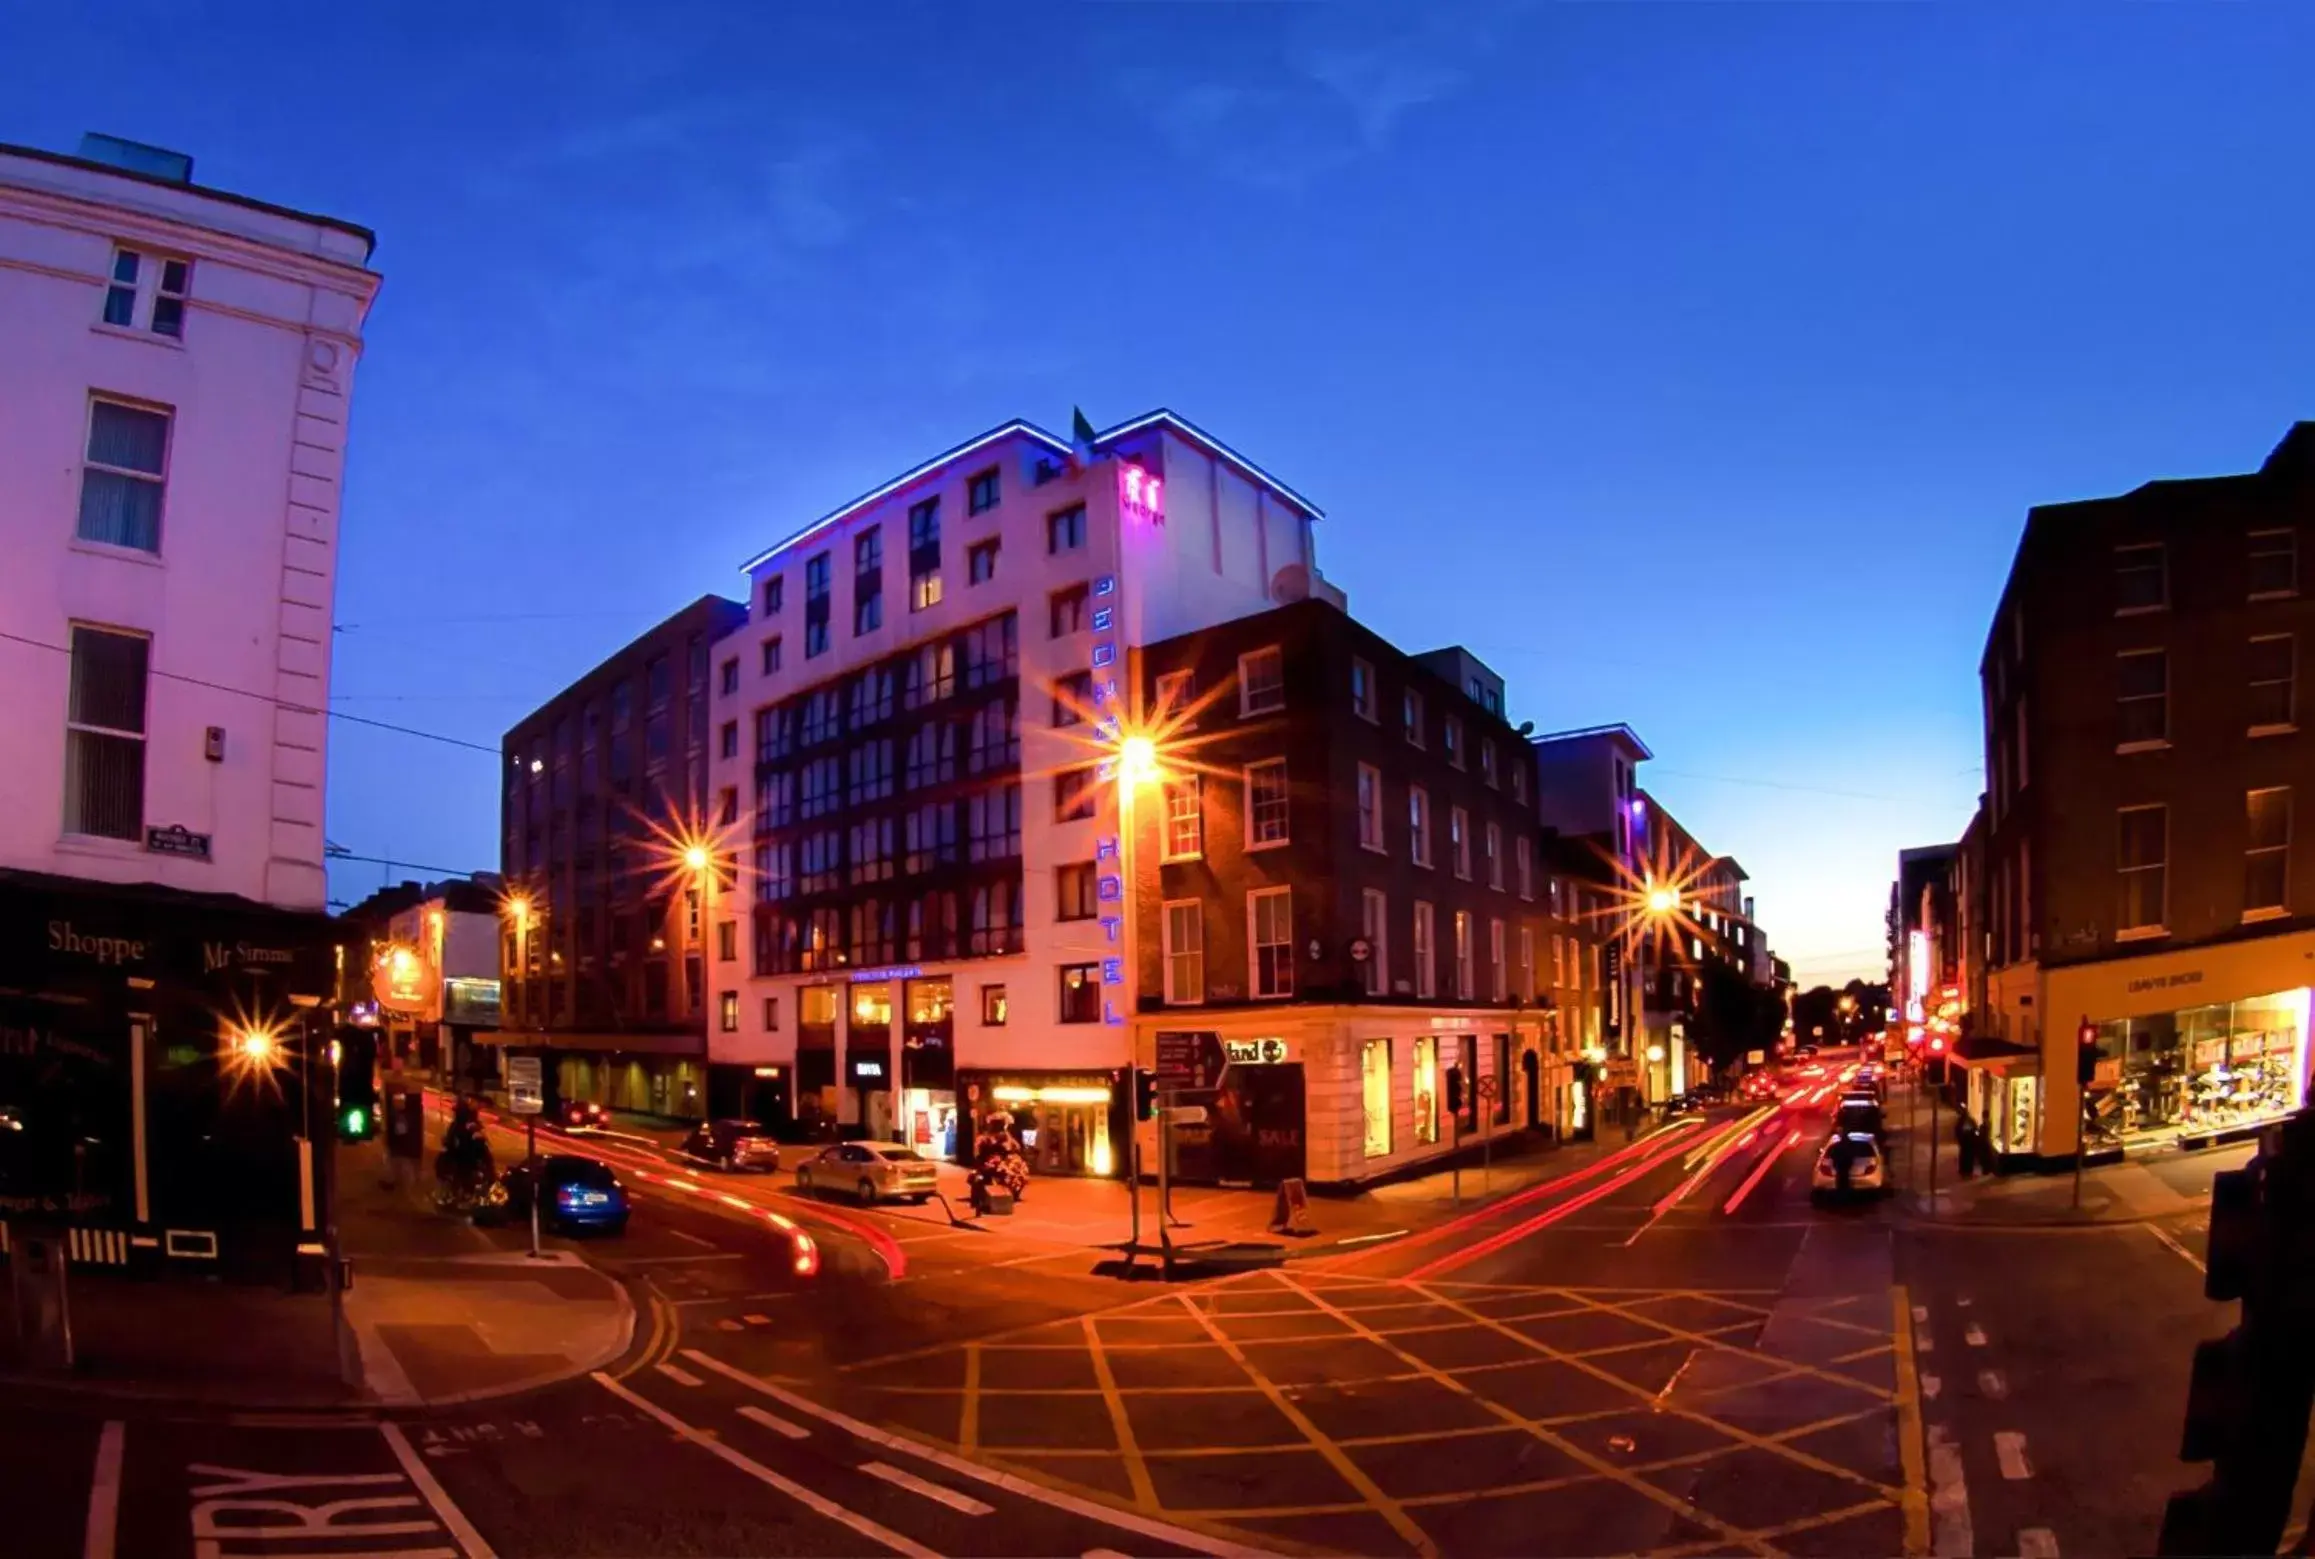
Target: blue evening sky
1694, 364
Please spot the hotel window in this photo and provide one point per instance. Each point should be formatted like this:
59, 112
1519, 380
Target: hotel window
1266, 810
1374, 1069
996, 919
992, 651
771, 654
1175, 689
1492, 847
2273, 664
1374, 925
771, 1014
1459, 841
1183, 930
2144, 856
868, 580
1523, 865
981, 562
1075, 797
2267, 852
819, 572
1426, 965
1081, 993
2141, 579
1499, 978
929, 676
2142, 699
104, 740
1065, 531
1487, 764
1466, 972
996, 738
1451, 739
994, 1009
1261, 682
1527, 963
730, 676
1418, 825
924, 555
1270, 942
727, 941
994, 818
148, 293
773, 594
122, 481
1072, 699
728, 740
982, 491
1185, 837
1426, 1091
728, 1012
1076, 887
2274, 560
1370, 807
1065, 611
1365, 701
1411, 717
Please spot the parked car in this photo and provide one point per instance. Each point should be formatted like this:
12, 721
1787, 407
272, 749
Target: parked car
869, 1171
574, 1193
581, 1115
1861, 1154
732, 1145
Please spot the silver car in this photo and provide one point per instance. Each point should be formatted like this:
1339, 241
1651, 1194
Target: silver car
869, 1171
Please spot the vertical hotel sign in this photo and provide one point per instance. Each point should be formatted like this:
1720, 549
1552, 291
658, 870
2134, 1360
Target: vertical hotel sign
1140, 503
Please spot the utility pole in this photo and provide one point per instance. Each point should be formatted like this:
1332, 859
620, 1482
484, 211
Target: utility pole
2085, 1072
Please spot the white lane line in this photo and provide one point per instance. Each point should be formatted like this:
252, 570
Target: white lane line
757, 1320
2037, 1543
690, 1238
2009, 1449
1963, 1301
1950, 1536
1092, 1510
1974, 1335
2183, 1254
926, 1487
677, 1373
774, 1422
444, 1511
104, 1493
811, 1499
1994, 1384
1930, 1387
1924, 1342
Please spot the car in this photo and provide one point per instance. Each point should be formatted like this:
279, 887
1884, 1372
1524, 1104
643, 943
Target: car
1689, 1103
1861, 1113
870, 1171
732, 1144
1869, 1081
1860, 1155
1757, 1087
574, 1193
581, 1115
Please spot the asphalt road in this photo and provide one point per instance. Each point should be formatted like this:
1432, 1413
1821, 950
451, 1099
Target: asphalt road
1672, 1352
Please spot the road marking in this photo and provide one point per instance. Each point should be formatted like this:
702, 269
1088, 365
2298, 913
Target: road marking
677, 1373
2183, 1254
1925, 1342
2009, 1449
1974, 1335
727, 1324
811, 1499
1963, 1301
774, 1422
969, 1410
1994, 1384
926, 1487
2037, 1543
1913, 1500
690, 1238
757, 1320
1931, 1385
444, 1511
1120, 1422
104, 1493
1950, 1534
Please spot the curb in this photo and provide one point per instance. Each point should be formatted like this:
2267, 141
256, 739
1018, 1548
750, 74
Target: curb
405, 1402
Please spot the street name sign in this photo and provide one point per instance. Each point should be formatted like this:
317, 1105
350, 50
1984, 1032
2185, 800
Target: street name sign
1189, 1060
526, 1084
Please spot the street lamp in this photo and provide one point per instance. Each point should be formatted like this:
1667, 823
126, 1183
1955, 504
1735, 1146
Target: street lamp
1136, 761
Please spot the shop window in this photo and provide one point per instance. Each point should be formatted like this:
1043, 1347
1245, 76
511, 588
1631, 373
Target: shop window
1270, 942
2145, 843
993, 1007
1375, 1095
1183, 934
1426, 1092
1081, 993
2267, 852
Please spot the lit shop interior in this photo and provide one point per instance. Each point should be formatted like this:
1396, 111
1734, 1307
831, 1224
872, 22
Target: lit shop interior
1065, 1123
2199, 1070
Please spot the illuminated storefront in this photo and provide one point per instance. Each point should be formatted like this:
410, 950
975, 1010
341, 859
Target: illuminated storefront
2199, 1071
1068, 1123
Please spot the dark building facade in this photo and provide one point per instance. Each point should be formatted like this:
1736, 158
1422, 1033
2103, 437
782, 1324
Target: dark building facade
604, 949
1341, 873
2144, 751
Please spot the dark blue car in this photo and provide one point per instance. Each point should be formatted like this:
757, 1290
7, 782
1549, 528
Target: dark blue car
575, 1194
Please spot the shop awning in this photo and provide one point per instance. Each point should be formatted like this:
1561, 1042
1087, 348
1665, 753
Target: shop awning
1997, 1055
58, 931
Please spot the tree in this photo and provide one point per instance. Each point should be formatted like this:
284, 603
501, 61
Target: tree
1734, 1016
1817, 1016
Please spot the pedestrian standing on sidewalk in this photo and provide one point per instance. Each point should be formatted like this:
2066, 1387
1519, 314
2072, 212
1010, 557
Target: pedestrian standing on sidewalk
1965, 1142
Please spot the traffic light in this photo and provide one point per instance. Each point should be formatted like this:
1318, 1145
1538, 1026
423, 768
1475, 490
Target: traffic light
2086, 1054
2251, 1391
1144, 1094
355, 1123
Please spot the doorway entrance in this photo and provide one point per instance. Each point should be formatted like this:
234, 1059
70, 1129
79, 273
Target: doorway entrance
1529, 1065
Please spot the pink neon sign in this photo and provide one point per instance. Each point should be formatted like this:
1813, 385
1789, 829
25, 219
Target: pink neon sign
1141, 495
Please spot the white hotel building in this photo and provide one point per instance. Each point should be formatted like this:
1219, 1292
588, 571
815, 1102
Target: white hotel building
925, 926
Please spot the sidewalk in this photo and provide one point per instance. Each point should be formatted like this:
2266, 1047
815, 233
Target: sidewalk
2111, 1193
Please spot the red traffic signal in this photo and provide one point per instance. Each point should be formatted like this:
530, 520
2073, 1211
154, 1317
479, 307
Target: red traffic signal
1937, 1044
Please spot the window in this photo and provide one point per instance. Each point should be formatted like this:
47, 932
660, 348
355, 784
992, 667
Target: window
730, 678
1185, 838
2144, 857
2274, 563
994, 817
992, 651
1492, 847
1261, 682
1466, 976
122, 481
728, 1012
1075, 796
1270, 942
868, 580
1075, 886
1081, 993
982, 491
2141, 579
1519, 778
996, 918
2142, 699
929, 676
771, 654
773, 594
148, 293
1451, 739
2273, 662
1374, 926
924, 555
1266, 809
1374, 1072
993, 1006
727, 810
1426, 945
1411, 717
1066, 610
996, 738
1418, 825
1175, 689
1072, 700
1499, 968
1365, 702
728, 739
1527, 963
981, 562
771, 1014
1183, 936
1459, 841
1523, 865
1426, 1091
104, 740
2267, 853
818, 572
1065, 531
1370, 807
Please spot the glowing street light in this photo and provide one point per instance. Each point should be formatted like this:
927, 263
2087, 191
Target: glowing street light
1137, 760
1662, 900
696, 857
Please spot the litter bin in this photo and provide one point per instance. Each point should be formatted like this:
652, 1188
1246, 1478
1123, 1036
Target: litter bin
36, 1272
